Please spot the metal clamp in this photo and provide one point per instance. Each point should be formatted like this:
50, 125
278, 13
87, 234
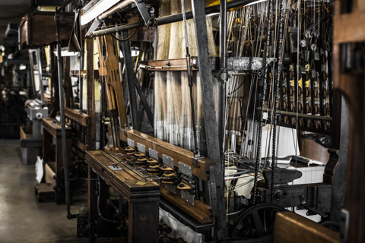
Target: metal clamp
153, 153
194, 161
130, 142
185, 169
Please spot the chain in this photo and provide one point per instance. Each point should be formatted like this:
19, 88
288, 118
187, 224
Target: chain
261, 111
276, 97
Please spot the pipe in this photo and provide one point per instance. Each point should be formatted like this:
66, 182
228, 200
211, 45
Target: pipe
115, 9
32, 74
223, 73
80, 69
40, 75
168, 19
63, 127
188, 69
98, 206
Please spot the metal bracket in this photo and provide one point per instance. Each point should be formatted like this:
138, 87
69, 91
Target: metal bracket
309, 208
141, 5
115, 167
153, 153
93, 27
187, 197
168, 160
171, 188
141, 148
58, 17
130, 142
195, 161
185, 169
270, 60
212, 189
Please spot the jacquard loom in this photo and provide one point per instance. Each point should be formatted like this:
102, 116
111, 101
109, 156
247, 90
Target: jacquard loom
206, 121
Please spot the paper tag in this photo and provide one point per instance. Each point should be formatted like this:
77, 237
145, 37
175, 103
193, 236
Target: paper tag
141, 183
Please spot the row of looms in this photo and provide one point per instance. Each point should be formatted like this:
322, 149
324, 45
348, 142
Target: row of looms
196, 121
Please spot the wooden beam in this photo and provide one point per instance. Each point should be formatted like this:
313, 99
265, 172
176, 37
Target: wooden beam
290, 226
90, 100
210, 118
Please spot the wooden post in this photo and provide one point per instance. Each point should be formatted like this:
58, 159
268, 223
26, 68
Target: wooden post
210, 117
90, 83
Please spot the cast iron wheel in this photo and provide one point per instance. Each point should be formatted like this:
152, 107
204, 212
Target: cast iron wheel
255, 222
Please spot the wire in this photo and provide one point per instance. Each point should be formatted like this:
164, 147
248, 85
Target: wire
98, 205
125, 38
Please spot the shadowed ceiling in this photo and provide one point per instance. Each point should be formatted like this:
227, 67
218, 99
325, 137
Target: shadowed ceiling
12, 11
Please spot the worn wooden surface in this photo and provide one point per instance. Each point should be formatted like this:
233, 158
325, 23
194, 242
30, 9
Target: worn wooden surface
90, 100
109, 69
143, 196
74, 115
44, 192
178, 154
54, 127
39, 29
200, 211
290, 227
350, 28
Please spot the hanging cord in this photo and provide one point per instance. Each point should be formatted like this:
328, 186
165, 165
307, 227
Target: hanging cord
98, 205
129, 37
276, 98
261, 112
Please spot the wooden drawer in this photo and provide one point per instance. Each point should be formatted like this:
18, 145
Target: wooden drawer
39, 29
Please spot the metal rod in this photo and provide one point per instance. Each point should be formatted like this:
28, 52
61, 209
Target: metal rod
115, 9
126, 50
312, 117
196, 145
262, 79
31, 64
168, 19
63, 127
80, 69
38, 52
223, 74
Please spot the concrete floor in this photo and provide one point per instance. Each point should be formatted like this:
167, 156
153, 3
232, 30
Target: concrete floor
22, 219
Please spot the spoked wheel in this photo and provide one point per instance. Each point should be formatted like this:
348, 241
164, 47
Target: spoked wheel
256, 221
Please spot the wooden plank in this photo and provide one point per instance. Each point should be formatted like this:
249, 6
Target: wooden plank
110, 70
202, 170
38, 29
54, 128
73, 114
126, 182
294, 226
79, 145
349, 28
143, 197
44, 192
200, 211
90, 80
